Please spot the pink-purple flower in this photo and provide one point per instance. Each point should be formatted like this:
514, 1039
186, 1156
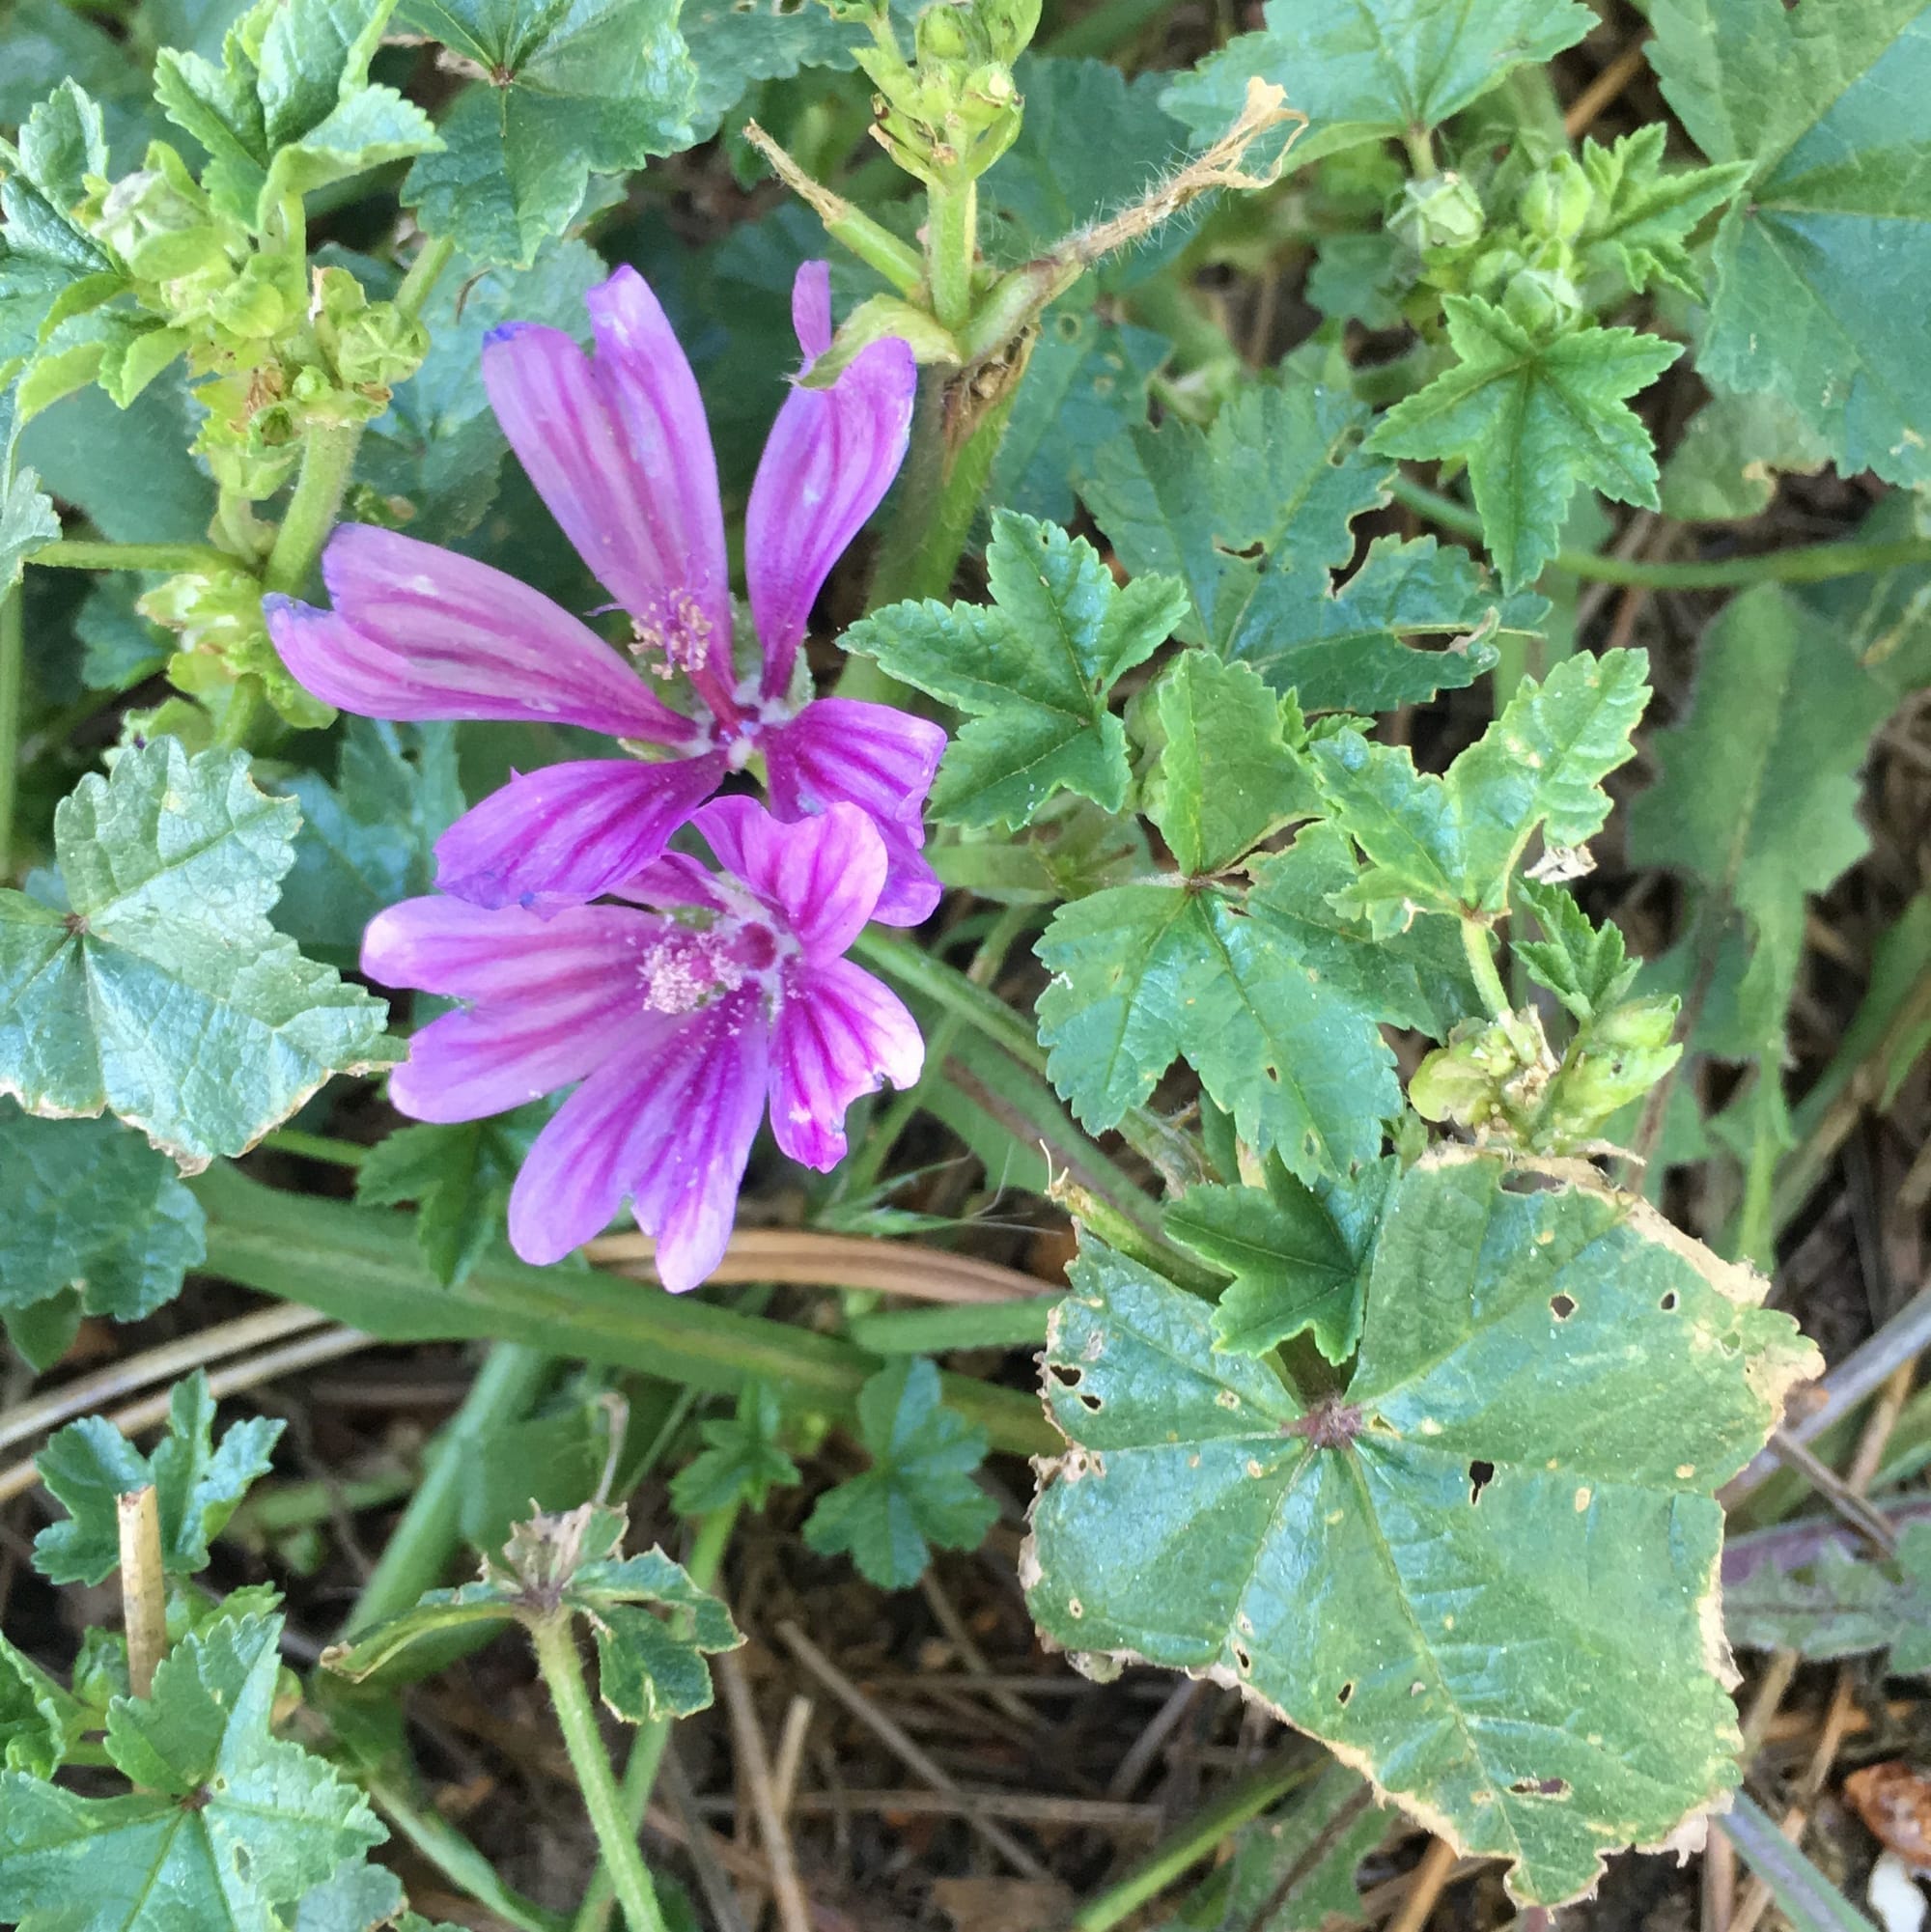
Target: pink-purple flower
618, 446
684, 1012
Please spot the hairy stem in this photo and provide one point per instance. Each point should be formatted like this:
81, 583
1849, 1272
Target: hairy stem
326, 464
640, 1771
13, 685
1482, 964
945, 477
1808, 563
951, 245
1195, 1840
322, 1147
418, 1552
555, 1642
430, 261
67, 554
862, 1172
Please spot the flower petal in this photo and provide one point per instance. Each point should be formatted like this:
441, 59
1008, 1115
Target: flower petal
420, 632
832, 457
670, 1123
839, 1032
506, 958
567, 832
822, 876
619, 449
811, 309
875, 757
467, 1066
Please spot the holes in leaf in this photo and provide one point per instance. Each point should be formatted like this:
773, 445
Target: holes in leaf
1480, 1475
1243, 1658
1521, 1182
1540, 1788
1090, 1402
1067, 1378
1346, 1692
1561, 1306
1668, 1302
243, 1864
1068, 328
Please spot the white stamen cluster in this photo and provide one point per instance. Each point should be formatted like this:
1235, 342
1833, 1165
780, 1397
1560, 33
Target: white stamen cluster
686, 971
673, 637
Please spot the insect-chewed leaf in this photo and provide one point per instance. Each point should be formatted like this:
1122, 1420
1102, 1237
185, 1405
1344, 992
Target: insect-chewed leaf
162, 993
230, 1825
1033, 669
1818, 265
200, 1485
1144, 973
1486, 1573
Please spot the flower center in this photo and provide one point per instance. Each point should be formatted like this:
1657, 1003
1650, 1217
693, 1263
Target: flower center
685, 969
673, 635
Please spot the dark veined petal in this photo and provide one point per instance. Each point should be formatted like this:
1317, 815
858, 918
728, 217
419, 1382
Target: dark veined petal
840, 1032
617, 445
878, 758
569, 832
505, 957
830, 459
821, 876
418, 632
667, 1121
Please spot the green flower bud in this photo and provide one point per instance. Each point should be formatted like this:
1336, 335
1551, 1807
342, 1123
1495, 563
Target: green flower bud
1642, 1025
161, 233
1443, 212
261, 302
1543, 300
217, 615
1555, 202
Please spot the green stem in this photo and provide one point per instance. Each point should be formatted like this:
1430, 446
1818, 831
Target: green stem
973, 1325
555, 1642
640, 1771
326, 464
458, 1859
322, 1147
1808, 563
1195, 1840
13, 690
1157, 1141
943, 485
418, 1552
66, 554
1420, 146
1482, 964
243, 707
432, 258
951, 246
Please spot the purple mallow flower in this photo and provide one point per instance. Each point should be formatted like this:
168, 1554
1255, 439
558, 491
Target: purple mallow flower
618, 447
683, 1013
